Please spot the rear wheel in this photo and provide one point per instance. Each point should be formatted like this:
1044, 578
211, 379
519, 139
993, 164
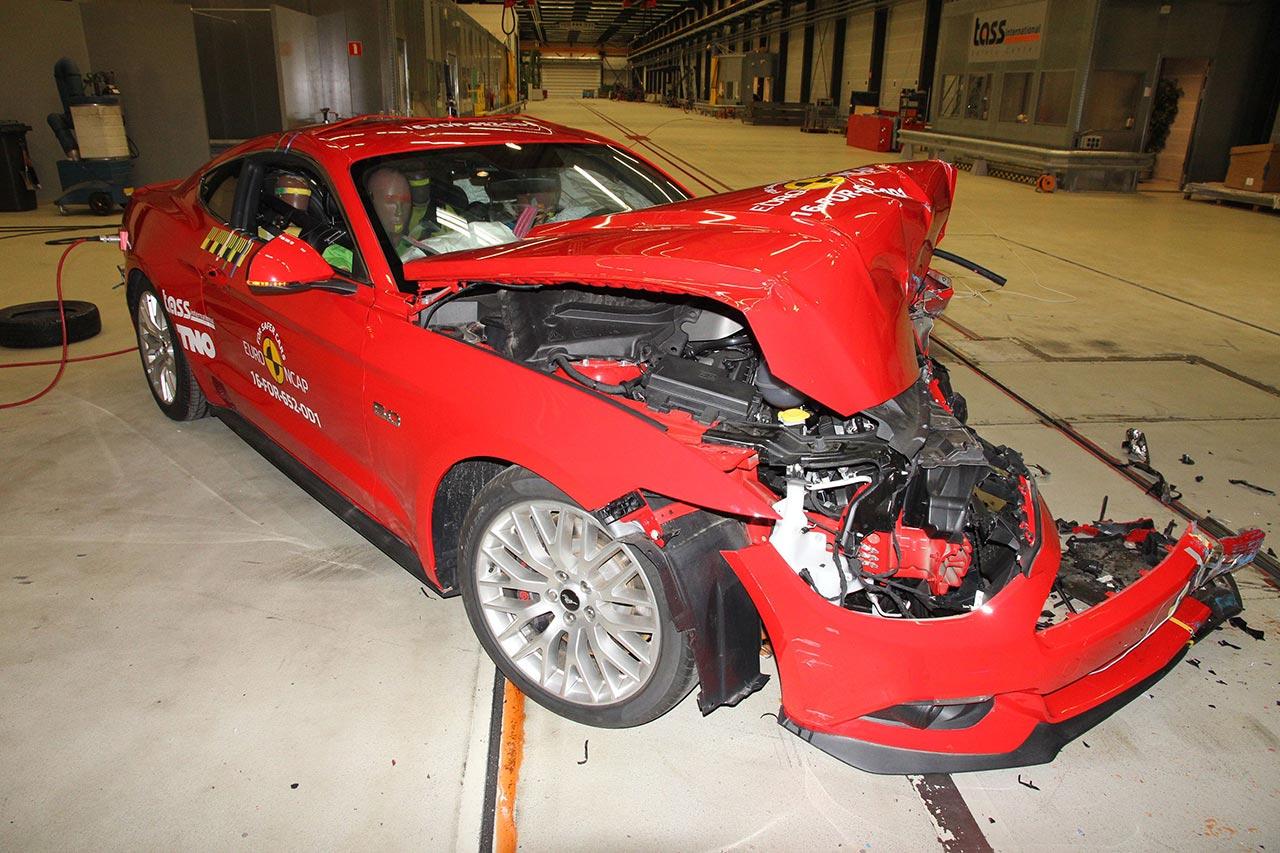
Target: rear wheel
575, 617
165, 365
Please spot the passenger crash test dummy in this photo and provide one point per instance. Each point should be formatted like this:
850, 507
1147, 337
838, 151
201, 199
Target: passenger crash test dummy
392, 203
392, 200
421, 219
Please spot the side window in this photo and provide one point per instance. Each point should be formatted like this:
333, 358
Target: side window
218, 190
293, 200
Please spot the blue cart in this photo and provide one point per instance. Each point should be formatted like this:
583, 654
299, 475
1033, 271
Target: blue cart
100, 183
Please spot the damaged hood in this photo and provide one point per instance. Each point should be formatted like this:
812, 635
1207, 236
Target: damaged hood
821, 268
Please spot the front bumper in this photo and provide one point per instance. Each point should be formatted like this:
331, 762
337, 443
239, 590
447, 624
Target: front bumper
1032, 690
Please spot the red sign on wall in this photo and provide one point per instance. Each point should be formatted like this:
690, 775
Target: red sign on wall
355, 48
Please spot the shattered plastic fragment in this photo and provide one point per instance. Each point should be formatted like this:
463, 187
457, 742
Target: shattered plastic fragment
1238, 622
1135, 442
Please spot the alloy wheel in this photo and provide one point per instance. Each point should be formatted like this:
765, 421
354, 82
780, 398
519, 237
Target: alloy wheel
158, 355
567, 603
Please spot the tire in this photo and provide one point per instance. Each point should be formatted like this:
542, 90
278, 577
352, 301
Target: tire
101, 204
36, 324
629, 663
164, 364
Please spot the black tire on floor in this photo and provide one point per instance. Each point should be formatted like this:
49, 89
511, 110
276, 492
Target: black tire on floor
189, 402
672, 678
37, 324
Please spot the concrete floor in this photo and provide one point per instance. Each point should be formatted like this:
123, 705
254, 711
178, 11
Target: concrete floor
194, 654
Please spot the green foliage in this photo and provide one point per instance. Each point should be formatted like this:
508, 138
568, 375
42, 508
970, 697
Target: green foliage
1164, 109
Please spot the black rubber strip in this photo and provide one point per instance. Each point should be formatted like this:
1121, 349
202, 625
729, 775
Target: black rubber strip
489, 816
959, 830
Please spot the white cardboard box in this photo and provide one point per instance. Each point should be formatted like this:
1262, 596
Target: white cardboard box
100, 130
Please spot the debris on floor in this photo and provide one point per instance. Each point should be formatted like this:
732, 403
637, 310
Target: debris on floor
1251, 486
585, 753
1135, 442
1238, 622
1027, 783
1186, 460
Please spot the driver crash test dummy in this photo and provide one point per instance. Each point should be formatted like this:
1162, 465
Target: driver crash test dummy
295, 190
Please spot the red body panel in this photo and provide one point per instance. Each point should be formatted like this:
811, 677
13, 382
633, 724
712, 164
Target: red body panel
838, 666
547, 425
822, 269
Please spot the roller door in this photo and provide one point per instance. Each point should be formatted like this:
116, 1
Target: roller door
567, 78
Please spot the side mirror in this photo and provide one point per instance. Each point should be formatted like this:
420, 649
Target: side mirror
289, 265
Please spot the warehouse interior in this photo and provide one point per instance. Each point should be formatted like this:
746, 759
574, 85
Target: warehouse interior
199, 654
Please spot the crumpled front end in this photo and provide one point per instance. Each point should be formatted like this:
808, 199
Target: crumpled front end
821, 270
988, 688
903, 567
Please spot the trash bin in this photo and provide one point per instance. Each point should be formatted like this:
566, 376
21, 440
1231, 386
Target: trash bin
17, 176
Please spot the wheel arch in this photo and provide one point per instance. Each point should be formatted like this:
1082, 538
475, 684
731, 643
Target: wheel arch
707, 600
452, 499
133, 286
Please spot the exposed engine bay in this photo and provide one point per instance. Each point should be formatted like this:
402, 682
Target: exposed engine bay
900, 510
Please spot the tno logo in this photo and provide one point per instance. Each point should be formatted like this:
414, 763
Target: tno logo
988, 32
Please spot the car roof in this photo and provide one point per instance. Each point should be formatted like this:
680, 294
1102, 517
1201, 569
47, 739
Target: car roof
375, 136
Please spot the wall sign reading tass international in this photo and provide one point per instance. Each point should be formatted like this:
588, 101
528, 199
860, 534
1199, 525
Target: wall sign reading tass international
1012, 32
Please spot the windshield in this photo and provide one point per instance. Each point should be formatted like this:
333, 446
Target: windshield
469, 198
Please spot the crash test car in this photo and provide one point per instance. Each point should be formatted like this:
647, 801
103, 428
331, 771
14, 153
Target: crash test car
647, 437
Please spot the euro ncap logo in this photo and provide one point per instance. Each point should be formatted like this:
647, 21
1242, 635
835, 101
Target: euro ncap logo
272, 359
822, 182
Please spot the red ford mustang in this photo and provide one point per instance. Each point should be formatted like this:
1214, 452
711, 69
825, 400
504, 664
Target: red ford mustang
641, 433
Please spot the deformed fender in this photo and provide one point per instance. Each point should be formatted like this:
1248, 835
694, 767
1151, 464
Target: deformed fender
591, 448
710, 605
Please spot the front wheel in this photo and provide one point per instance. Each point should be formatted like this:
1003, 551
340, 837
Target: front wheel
168, 374
575, 617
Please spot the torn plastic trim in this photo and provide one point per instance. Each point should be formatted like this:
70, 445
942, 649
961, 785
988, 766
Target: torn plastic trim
1104, 560
707, 599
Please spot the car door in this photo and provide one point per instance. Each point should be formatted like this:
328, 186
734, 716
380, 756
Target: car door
291, 362
178, 270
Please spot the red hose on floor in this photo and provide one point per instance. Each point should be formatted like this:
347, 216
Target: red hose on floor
69, 360
63, 361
